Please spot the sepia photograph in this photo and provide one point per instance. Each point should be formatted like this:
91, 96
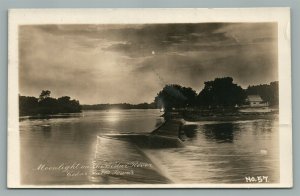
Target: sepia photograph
122, 99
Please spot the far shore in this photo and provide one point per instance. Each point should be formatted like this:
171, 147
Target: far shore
232, 118
221, 115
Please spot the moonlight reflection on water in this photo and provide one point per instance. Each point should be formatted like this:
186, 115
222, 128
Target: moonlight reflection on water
213, 152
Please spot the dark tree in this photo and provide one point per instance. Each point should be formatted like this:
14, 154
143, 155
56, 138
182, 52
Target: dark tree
44, 94
64, 99
175, 96
27, 105
47, 105
221, 92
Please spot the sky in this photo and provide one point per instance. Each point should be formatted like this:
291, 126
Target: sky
132, 63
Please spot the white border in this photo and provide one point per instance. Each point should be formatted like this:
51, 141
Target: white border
141, 16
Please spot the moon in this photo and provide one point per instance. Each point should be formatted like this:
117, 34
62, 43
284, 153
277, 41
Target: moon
153, 52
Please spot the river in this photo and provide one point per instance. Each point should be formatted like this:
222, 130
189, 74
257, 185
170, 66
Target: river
70, 150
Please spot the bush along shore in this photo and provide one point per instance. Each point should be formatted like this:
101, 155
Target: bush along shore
46, 105
220, 114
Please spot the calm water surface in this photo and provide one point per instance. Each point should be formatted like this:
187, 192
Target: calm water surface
213, 152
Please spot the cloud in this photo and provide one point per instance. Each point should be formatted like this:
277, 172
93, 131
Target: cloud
131, 63
250, 32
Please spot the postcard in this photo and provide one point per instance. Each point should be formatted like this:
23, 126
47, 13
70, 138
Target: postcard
149, 98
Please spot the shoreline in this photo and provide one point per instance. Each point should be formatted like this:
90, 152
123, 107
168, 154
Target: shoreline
187, 115
221, 115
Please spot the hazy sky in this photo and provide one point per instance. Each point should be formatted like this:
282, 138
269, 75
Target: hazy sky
132, 63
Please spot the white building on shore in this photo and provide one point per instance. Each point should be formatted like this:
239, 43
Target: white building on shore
255, 101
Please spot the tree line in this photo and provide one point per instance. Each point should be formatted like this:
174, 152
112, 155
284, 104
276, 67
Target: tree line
45, 104
220, 92
119, 106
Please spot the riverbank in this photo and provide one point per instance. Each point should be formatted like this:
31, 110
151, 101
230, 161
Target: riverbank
222, 114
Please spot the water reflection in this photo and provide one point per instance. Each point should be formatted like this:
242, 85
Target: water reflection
223, 132
47, 131
113, 116
189, 131
71, 140
213, 152
223, 152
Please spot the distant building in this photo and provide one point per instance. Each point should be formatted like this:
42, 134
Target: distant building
255, 101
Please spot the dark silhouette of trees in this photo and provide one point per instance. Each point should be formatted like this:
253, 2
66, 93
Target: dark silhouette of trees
221, 92
47, 105
175, 96
268, 92
44, 94
68, 105
218, 93
119, 106
28, 105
